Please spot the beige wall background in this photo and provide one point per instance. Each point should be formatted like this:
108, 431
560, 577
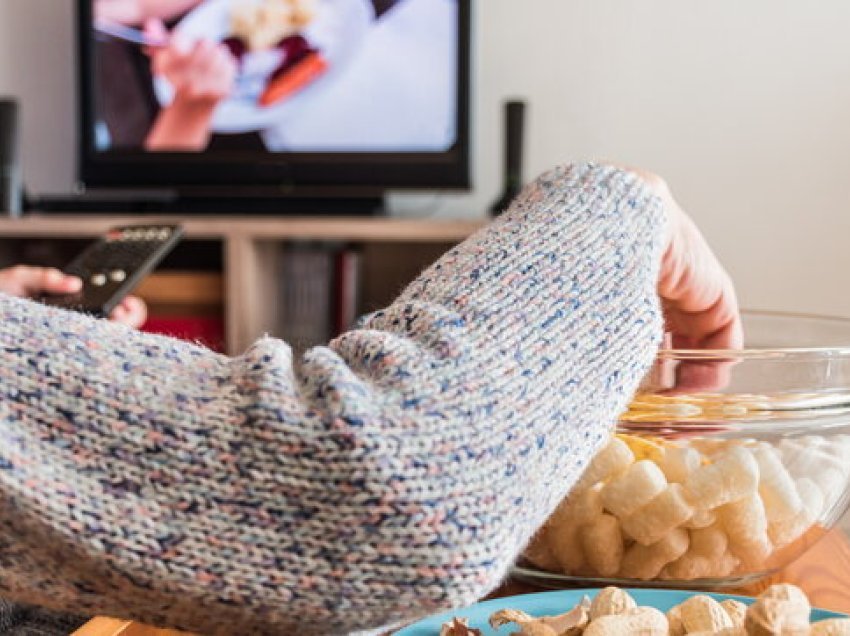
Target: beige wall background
742, 106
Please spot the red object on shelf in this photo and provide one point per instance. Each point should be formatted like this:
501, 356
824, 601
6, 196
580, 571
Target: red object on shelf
207, 331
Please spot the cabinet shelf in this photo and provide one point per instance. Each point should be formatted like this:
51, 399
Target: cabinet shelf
247, 288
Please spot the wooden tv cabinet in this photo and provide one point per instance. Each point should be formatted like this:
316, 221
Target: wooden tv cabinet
245, 286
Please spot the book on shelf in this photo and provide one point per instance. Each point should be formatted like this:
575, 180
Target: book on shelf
320, 292
346, 286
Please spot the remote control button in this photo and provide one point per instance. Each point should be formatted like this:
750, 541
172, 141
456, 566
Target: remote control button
98, 280
117, 275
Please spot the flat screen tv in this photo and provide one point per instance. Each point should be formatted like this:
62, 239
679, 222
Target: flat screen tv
259, 99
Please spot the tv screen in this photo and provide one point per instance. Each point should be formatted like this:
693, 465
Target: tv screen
274, 95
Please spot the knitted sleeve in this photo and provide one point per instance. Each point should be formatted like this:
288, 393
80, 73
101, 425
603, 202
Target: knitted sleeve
394, 472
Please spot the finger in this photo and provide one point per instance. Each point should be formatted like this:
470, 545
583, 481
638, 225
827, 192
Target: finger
206, 65
223, 71
717, 328
59, 282
699, 375
39, 280
204, 57
132, 311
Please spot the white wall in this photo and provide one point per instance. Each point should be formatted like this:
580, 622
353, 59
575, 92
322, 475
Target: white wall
742, 106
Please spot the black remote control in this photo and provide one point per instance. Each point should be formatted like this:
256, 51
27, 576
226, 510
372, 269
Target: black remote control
111, 267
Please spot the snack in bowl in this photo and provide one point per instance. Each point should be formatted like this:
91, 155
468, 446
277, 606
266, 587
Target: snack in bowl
780, 609
727, 466
695, 509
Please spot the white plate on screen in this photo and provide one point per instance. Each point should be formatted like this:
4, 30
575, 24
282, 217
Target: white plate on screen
337, 31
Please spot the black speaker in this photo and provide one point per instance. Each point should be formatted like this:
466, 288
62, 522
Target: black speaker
512, 175
10, 169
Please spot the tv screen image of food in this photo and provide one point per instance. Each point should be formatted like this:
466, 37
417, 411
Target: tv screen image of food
283, 76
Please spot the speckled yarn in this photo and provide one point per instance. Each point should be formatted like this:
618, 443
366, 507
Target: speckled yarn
395, 472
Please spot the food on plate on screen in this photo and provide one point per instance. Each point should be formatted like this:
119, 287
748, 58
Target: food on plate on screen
261, 25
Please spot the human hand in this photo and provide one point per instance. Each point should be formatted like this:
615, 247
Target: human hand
697, 297
30, 282
131, 311
202, 72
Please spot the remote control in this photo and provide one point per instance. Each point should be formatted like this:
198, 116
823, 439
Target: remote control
111, 267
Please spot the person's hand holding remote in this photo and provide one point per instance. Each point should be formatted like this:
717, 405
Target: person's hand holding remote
31, 282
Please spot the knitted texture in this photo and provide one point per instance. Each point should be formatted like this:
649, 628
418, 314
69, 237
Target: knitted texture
24, 620
395, 472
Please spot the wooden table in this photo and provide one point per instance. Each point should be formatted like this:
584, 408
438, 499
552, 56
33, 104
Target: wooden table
823, 572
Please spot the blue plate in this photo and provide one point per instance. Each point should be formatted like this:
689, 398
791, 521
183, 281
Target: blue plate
549, 603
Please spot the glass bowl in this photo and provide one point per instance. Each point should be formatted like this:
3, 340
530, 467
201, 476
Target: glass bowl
726, 467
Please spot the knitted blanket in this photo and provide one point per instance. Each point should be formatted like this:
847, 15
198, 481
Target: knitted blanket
395, 472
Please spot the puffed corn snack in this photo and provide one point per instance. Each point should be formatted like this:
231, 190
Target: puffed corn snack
699, 508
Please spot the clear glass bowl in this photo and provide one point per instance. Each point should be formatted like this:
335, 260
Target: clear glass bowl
727, 466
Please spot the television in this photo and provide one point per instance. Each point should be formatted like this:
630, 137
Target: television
322, 104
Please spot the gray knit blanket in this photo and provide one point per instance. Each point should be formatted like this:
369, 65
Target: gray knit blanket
397, 471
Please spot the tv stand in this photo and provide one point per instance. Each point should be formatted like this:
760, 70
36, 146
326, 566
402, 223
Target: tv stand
169, 202
249, 290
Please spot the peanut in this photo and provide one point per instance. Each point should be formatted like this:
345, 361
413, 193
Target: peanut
570, 623
736, 610
674, 621
831, 627
703, 613
458, 627
611, 600
647, 621
780, 609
